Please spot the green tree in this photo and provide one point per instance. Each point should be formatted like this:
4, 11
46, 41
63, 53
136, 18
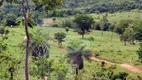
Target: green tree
10, 20
47, 4
39, 46
120, 27
84, 23
76, 52
3, 37
125, 36
111, 28
67, 29
139, 52
60, 37
138, 30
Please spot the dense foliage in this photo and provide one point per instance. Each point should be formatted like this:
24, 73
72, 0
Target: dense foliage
60, 36
84, 23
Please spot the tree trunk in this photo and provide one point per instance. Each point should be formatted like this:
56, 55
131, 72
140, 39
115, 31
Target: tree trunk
76, 71
82, 36
27, 35
76, 74
124, 42
112, 36
133, 42
11, 76
102, 33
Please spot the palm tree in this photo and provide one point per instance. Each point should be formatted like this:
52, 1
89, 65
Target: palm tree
38, 45
76, 53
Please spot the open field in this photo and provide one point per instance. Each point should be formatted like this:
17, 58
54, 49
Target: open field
112, 50
112, 17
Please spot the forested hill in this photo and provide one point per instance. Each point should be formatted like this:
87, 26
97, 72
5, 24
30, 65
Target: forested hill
72, 7
69, 8
84, 3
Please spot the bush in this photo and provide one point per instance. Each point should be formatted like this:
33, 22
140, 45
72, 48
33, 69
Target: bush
60, 37
67, 29
139, 52
91, 39
55, 25
1, 30
68, 23
10, 20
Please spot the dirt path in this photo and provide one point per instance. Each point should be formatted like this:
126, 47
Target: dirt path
126, 66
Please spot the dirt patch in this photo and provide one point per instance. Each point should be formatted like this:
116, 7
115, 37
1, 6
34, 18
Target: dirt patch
126, 66
131, 68
61, 48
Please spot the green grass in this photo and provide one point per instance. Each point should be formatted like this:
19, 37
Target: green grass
112, 50
112, 17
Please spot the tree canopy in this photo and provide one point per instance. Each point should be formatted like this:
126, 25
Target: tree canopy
84, 23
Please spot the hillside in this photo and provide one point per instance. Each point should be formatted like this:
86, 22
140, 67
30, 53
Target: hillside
73, 40
73, 7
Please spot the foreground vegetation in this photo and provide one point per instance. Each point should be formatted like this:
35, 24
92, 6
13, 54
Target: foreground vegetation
104, 47
109, 44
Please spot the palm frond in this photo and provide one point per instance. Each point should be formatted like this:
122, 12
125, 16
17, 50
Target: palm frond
87, 54
82, 47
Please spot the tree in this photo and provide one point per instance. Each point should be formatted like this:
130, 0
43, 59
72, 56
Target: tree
60, 37
139, 52
138, 30
47, 4
3, 36
39, 46
125, 36
76, 52
67, 29
112, 26
120, 27
10, 20
84, 23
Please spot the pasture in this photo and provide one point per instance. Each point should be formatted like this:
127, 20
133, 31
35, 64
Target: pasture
111, 50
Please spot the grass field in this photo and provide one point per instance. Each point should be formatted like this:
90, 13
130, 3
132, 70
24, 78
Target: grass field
112, 50
112, 17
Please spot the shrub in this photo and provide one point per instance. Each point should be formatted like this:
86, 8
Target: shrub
91, 39
67, 29
55, 25
139, 52
60, 37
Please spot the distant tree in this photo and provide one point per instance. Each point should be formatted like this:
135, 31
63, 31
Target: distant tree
31, 23
60, 37
111, 28
67, 29
84, 23
137, 1
3, 37
10, 20
104, 24
120, 27
76, 52
125, 36
138, 30
68, 23
139, 52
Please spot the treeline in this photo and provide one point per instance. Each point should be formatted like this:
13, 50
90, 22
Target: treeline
99, 6
10, 14
130, 30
